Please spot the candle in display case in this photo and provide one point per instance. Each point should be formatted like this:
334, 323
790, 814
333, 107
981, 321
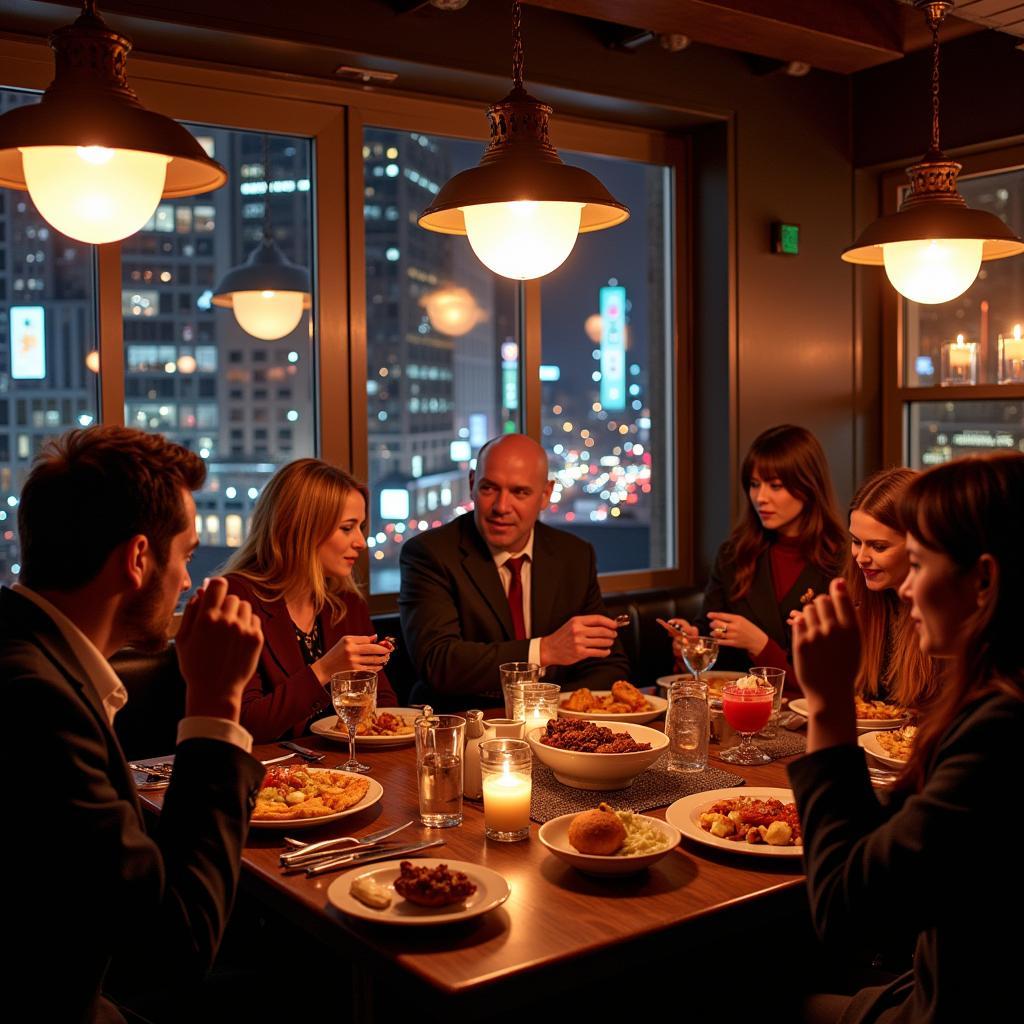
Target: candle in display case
1011, 358
960, 362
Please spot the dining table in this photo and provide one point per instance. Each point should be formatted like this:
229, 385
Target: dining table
559, 931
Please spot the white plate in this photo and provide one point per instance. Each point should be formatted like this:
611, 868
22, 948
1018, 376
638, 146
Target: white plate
715, 679
869, 741
328, 728
373, 793
554, 834
491, 891
863, 724
685, 815
658, 706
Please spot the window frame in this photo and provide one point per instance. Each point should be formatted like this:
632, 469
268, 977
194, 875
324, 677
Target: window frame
332, 116
897, 395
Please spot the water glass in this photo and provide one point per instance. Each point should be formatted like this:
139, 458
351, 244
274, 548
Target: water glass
439, 745
775, 676
354, 695
508, 785
535, 704
687, 726
513, 674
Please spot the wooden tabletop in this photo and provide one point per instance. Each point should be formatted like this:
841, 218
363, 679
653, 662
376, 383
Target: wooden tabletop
554, 915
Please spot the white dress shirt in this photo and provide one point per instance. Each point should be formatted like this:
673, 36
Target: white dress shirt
110, 690
525, 577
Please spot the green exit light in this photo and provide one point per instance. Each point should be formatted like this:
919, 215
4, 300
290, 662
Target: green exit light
786, 239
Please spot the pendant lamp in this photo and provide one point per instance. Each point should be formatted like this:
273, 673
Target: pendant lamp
934, 246
96, 162
268, 292
521, 207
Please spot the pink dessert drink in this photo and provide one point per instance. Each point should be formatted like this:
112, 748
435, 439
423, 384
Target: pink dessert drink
747, 710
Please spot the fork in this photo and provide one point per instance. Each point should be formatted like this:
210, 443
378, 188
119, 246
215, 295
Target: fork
330, 847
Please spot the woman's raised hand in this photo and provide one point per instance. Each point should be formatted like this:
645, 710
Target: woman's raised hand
352, 653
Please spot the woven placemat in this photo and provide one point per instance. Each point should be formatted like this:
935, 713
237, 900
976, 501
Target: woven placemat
656, 787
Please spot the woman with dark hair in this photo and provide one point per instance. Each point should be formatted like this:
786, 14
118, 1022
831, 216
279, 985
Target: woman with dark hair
938, 861
295, 569
892, 667
787, 545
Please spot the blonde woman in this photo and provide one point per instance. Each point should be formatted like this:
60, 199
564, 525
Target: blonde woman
295, 569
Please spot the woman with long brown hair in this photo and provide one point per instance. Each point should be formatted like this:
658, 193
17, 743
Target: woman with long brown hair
788, 544
295, 569
939, 860
892, 666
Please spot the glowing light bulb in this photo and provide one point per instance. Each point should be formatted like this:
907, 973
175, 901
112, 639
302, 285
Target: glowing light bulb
522, 240
91, 193
268, 315
933, 270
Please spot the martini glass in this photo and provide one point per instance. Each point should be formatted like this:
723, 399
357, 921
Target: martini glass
699, 654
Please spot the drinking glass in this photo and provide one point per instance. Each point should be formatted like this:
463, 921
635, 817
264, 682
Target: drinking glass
440, 740
747, 709
699, 654
513, 675
777, 677
686, 724
354, 695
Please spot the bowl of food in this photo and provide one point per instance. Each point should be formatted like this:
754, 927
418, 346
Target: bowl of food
592, 755
606, 841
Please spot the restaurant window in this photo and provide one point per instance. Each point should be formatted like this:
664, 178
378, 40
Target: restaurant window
210, 242
58, 382
962, 376
442, 353
607, 324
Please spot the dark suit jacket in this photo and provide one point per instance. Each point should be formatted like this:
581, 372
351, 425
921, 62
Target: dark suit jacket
284, 694
941, 866
760, 607
456, 620
92, 885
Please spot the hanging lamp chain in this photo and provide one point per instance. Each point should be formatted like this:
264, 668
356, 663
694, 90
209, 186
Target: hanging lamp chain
517, 45
935, 12
268, 233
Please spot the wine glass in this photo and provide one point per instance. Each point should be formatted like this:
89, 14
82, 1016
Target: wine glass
354, 695
699, 654
747, 706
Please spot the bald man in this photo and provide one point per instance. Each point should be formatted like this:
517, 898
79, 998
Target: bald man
500, 586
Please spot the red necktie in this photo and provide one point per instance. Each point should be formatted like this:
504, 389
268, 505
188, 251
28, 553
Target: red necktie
515, 596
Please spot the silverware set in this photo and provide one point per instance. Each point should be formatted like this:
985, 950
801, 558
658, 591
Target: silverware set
328, 855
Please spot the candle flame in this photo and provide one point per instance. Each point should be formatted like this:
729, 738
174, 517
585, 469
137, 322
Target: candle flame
1016, 332
960, 340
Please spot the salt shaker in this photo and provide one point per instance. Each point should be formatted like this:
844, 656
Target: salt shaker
472, 778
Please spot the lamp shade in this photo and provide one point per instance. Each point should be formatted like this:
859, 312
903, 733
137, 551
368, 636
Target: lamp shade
268, 292
525, 201
95, 161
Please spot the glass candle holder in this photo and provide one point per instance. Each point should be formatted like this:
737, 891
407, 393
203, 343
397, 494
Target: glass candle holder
506, 766
1011, 358
959, 362
535, 704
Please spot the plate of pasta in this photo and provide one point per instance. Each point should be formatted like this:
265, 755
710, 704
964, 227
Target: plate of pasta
871, 714
891, 747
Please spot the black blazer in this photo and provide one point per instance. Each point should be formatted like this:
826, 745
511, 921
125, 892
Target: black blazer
455, 615
941, 866
93, 886
758, 604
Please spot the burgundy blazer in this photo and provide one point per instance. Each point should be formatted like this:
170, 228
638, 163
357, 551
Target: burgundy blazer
285, 694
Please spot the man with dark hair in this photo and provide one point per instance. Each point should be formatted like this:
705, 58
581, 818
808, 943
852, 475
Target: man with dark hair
499, 586
107, 524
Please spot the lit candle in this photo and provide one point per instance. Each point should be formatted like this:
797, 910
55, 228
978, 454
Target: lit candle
960, 361
507, 801
1011, 358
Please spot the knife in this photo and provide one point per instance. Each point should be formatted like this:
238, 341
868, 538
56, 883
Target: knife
357, 858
